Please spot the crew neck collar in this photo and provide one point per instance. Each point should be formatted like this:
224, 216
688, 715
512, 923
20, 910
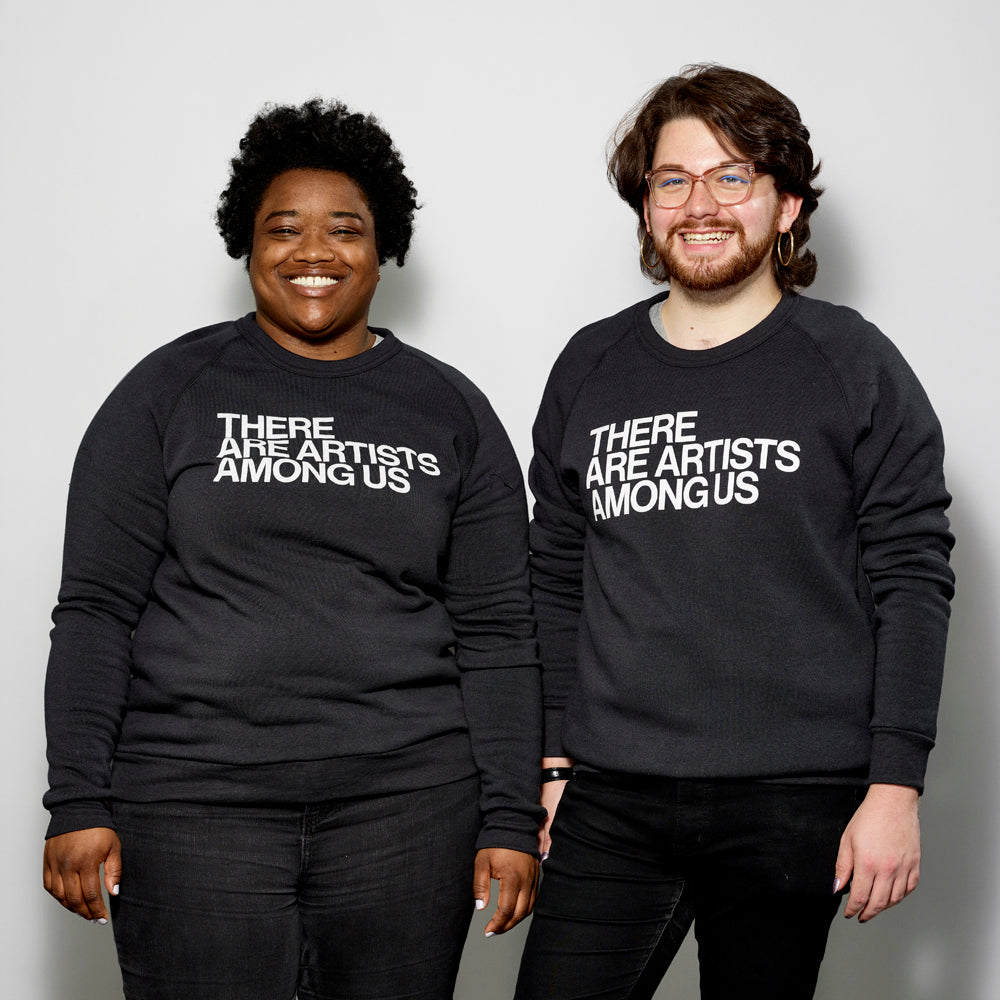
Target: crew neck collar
381, 351
665, 351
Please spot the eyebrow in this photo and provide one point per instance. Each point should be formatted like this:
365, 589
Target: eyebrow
293, 214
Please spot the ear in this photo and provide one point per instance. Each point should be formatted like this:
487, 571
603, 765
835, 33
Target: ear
789, 205
645, 209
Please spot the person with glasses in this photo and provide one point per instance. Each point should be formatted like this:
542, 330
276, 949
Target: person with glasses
740, 567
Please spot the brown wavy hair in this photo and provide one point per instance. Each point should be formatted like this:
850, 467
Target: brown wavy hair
747, 116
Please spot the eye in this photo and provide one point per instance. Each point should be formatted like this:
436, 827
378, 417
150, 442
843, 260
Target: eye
669, 181
732, 180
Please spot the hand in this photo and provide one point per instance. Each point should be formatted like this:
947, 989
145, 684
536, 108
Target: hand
881, 846
517, 874
551, 795
71, 870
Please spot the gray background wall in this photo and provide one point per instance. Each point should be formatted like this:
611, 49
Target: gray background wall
118, 120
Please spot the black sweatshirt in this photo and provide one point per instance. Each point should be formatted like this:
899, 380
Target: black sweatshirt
740, 554
325, 567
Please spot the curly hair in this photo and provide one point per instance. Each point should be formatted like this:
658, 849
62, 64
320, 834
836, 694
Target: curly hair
745, 114
319, 136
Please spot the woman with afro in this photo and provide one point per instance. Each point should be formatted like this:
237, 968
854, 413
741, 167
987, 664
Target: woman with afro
292, 700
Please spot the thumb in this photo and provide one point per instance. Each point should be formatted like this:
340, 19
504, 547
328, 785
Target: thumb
481, 880
844, 867
113, 868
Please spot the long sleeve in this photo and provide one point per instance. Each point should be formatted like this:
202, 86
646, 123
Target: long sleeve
116, 528
904, 540
557, 535
486, 593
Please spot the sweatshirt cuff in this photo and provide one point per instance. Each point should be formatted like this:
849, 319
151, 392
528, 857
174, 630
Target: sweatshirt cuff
78, 816
514, 831
899, 758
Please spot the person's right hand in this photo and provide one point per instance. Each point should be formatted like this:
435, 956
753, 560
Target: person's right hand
71, 870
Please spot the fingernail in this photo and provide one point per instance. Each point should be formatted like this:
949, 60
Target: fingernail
545, 856
480, 904
114, 890
102, 920
836, 885
489, 934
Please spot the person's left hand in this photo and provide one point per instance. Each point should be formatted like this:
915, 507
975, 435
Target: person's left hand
517, 874
881, 846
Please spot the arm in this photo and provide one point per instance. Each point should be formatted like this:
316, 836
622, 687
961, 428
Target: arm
905, 541
115, 534
552, 792
487, 597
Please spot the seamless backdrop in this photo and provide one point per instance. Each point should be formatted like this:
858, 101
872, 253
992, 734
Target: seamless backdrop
117, 123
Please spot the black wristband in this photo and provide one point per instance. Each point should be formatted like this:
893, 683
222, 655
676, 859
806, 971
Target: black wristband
555, 774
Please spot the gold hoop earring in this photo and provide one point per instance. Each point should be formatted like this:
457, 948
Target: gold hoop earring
791, 248
642, 253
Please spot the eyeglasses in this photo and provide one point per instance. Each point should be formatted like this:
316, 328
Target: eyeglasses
728, 184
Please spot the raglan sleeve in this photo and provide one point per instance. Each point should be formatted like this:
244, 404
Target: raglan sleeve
905, 541
489, 602
557, 535
116, 525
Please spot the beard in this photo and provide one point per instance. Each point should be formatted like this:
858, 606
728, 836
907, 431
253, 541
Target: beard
715, 275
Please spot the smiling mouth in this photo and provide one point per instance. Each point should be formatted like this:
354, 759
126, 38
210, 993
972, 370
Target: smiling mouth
713, 237
314, 281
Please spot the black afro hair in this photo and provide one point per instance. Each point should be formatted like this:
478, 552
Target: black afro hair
319, 136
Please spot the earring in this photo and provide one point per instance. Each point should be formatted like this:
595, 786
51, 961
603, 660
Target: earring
642, 253
791, 248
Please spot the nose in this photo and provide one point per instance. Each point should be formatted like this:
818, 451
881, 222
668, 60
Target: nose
315, 246
700, 202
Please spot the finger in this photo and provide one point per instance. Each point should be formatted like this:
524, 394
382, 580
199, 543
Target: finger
545, 838
113, 870
844, 866
878, 900
481, 880
861, 890
507, 905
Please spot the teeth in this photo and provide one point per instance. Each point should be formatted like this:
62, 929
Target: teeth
706, 237
314, 281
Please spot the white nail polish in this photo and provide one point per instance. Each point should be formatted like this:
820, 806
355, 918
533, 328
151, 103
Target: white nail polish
114, 890
480, 905
101, 920
489, 934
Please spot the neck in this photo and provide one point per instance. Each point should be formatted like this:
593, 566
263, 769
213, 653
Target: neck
696, 321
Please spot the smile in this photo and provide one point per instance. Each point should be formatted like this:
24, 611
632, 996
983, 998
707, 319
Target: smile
714, 237
314, 281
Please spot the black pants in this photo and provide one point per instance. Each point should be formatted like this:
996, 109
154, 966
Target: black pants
635, 861
359, 898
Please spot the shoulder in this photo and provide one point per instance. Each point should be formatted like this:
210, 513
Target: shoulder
443, 385
593, 344
870, 368
844, 337
150, 390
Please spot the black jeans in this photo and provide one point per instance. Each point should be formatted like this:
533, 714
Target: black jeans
359, 898
634, 861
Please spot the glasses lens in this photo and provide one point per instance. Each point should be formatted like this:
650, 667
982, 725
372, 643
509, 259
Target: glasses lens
729, 185
670, 188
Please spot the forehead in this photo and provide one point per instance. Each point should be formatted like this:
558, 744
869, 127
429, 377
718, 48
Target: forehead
689, 143
314, 190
